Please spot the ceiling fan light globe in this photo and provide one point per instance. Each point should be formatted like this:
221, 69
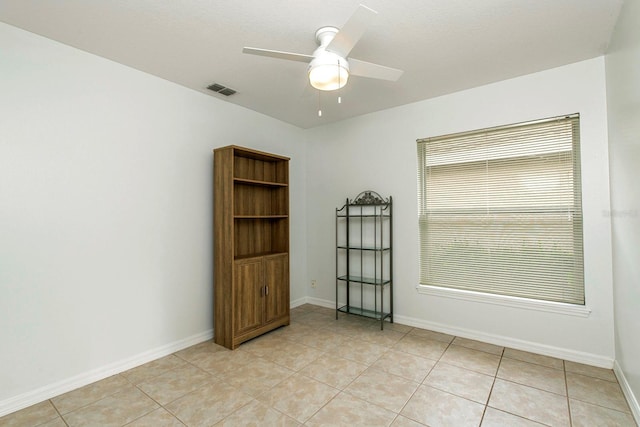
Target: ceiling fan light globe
328, 76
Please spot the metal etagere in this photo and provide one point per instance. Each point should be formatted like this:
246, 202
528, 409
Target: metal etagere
364, 267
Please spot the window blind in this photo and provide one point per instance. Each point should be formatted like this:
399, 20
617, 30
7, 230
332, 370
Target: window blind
500, 210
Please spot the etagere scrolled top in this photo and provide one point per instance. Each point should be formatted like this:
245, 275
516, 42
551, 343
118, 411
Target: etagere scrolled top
364, 236
251, 249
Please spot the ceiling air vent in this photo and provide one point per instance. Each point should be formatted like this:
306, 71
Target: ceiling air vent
222, 90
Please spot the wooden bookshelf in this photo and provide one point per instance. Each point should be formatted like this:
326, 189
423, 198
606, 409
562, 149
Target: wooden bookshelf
251, 244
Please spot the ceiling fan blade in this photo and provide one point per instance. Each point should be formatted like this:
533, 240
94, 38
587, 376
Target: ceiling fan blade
374, 71
278, 54
351, 31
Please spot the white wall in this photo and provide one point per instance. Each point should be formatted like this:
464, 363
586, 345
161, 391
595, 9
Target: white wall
623, 101
106, 213
378, 152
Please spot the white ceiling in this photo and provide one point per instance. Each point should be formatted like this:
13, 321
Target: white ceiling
442, 45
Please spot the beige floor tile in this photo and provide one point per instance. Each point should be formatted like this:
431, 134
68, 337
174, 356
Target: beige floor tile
398, 327
194, 353
262, 346
594, 390
329, 311
478, 345
531, 403
461, 382
171, 385
34, 415
380, 388
401, 421
590, 371
533, 375
315, 319
224, 361
298, 313
348, 410
90, 393
256, 414
433, 407
208, 405
359, 351
495, 418
153, 369
334, 371
115, 410
585, 415
286, 396
293, 331
56, 422
423, 347
432, 335
257, 377
321, 339
385, 337
350, 325
158, 418
294, 356
303, 308
325, 371
538, 359
409, 366
474, 360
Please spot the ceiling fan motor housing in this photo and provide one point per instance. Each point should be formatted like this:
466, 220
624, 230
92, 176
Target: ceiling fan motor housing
328, 70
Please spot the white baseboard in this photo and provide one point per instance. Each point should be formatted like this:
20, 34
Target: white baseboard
547, 350
29, 398
313, 301
298, 302
533, 347
321, 302
628, 392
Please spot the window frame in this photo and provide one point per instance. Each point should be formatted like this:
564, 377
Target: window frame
570, 308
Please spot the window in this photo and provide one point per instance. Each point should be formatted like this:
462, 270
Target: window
500, 211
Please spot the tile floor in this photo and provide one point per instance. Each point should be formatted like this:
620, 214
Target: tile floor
319, 371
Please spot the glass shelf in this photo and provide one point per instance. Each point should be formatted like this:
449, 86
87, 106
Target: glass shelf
364, 312
364, 216
363, 248
365, 280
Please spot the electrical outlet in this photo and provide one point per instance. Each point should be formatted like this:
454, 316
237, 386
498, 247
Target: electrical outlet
313, 283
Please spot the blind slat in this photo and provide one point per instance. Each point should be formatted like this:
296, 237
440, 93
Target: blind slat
500, 211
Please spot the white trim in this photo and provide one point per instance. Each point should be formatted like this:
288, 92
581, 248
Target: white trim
314, 301
507, 301
322, 302
298, 302
627, 391
533, 347
29, 398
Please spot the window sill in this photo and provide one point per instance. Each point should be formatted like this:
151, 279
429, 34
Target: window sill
507, 301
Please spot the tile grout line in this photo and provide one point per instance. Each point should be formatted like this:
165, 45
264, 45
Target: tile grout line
423, 380
495, 377
58, 412
566, 387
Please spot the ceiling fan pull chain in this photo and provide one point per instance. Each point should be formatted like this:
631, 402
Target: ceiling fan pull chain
319, 109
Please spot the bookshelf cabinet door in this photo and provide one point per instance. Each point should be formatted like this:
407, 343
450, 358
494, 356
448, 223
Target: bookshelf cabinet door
247, 299
276, 271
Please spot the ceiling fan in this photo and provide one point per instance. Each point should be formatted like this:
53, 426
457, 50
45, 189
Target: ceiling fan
329, 65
